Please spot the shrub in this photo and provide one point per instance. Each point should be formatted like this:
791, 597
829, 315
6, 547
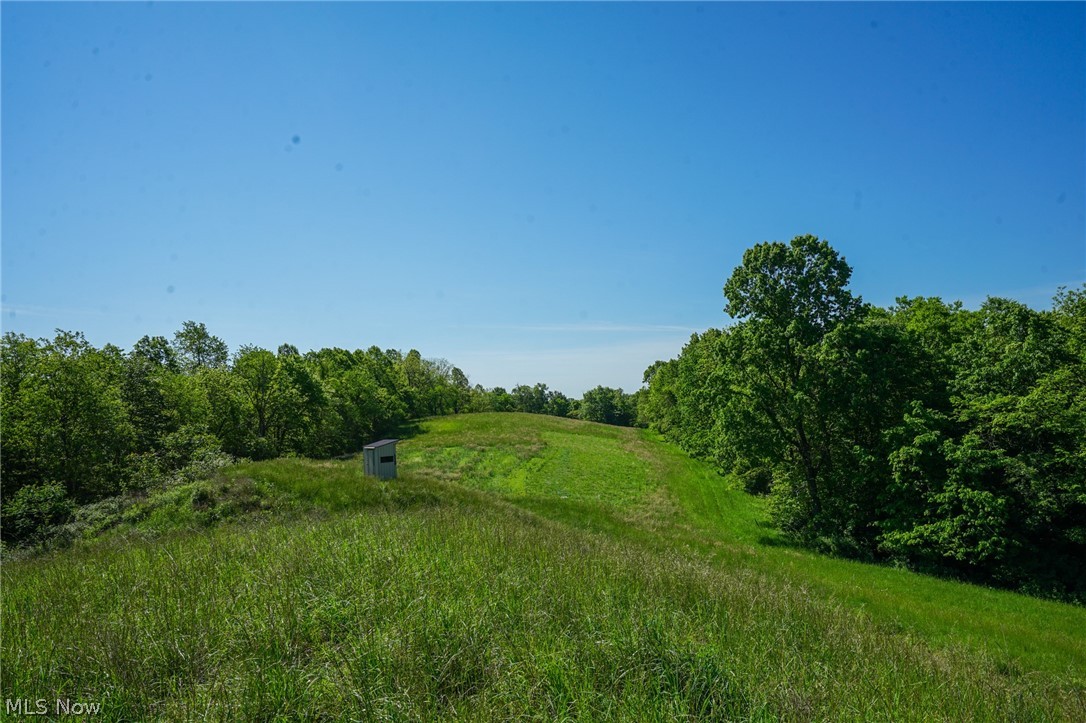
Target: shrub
757, 480
29, 514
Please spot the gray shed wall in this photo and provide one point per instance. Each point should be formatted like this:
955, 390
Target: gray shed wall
380, 461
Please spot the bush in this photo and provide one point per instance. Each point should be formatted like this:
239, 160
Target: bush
26, 518
188, 444
757, 480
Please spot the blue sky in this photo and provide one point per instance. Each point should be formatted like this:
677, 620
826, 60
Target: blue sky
537, 192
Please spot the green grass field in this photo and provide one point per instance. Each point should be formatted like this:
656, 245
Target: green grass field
521, 567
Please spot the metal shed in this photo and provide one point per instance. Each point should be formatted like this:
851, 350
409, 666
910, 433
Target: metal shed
380, 459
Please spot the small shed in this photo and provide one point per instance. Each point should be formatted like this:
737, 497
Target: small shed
380, 459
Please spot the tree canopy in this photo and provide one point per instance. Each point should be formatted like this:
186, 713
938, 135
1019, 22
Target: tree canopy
81, 423
925, 434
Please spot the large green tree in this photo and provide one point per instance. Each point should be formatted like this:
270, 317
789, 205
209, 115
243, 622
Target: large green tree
196, 348
609, 406
789, 298
810, 378
992, 483
65, 418
948, 440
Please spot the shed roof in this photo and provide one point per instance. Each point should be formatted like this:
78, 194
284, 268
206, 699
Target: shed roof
381, 443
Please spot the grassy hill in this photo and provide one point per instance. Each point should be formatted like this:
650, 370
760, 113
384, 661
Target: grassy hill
522, 566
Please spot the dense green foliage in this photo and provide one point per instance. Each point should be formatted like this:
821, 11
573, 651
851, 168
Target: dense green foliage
609, 406
603, 575
947, 440
94, 423
98, 422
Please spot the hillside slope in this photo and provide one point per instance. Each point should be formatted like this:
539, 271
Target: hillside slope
521, 566
628, 481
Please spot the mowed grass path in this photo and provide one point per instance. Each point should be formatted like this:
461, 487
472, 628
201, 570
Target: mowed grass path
521, 567
535, 456
630, 482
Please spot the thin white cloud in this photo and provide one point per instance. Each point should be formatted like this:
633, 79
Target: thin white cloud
47, 311
1032, 296
569, 370
593, 328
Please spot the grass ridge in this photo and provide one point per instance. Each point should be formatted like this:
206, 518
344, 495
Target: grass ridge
456, 593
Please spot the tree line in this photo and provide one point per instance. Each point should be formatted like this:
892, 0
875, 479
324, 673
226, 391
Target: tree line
82, 423
926, 435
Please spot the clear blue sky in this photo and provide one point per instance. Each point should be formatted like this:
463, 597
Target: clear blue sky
536, 192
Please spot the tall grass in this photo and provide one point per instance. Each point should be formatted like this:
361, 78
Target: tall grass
664, 498
472, 611
1024, 634
488, 584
